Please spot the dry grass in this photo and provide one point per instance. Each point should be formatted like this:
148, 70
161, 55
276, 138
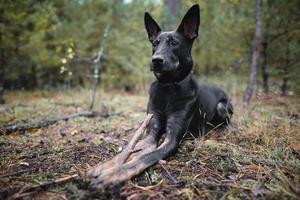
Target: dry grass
258, 156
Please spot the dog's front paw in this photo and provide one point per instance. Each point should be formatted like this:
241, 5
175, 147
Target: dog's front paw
107, 177
97, 170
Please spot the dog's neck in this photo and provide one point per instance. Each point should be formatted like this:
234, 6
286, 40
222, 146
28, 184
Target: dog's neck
174, 77
181, 85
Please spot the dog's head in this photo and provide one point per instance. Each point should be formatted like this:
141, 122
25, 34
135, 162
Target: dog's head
171, 51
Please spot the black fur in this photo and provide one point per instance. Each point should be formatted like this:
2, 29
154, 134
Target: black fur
178, 101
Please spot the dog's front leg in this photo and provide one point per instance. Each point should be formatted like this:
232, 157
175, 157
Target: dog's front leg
174, 133
153, 134
137, 146
119, 159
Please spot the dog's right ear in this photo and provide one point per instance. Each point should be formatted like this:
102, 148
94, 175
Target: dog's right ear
152, 27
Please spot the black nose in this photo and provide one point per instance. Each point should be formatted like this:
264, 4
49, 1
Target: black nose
157, 60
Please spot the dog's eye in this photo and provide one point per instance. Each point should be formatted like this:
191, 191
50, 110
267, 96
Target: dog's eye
173, 43
155, 43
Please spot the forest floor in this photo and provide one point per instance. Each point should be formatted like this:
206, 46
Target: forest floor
257, 156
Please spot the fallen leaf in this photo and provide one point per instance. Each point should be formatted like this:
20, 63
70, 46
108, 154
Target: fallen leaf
256, 190
74, 132
295, 147
24, 164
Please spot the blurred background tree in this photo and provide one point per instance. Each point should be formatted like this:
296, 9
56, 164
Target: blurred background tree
50, 44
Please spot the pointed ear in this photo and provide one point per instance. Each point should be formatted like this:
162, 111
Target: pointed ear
152, 27
190, 23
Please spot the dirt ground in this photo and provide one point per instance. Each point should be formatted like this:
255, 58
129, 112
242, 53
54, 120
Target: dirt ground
258, 156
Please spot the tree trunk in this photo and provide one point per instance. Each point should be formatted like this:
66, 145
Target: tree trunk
98, 68
284, 85
1, 73
255, 55
1, 84
265, 74
172, 9
33, 77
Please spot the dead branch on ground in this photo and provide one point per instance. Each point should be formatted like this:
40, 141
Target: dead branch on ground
47, 122
31, 189
136, 147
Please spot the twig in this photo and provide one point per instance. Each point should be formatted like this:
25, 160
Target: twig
224, 185
137, 136
215, 127
167, 171
209, 157
30, 189
68, 105
44, 123
148, 188
13, 173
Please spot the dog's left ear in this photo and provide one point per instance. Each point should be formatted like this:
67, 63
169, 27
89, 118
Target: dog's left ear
190, 23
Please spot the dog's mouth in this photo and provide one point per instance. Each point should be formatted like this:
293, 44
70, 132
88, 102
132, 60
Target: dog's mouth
158, 73
167, 68
157, 70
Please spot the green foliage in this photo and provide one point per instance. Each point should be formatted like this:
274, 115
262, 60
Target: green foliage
282, 25
48, 43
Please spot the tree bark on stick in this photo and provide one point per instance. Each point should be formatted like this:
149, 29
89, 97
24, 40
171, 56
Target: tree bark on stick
25, 191
255, 55
47, 122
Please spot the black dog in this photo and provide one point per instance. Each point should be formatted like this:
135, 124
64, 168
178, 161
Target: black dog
179, 103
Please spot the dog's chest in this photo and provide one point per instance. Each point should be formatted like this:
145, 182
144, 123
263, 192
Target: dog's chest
171, 98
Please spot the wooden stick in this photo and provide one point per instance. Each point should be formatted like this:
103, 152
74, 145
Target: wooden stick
137, 136
13, 173
161, 162
118, 161
31, 189
48, 122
